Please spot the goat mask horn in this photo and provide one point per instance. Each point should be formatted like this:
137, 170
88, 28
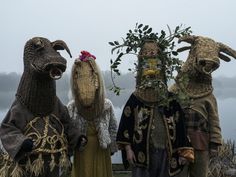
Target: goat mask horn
226, 49
61, 45
184, 48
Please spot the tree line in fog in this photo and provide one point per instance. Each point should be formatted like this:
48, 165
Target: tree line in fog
9, 84
223, 88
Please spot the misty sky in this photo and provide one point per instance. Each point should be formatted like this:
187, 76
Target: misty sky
91, 24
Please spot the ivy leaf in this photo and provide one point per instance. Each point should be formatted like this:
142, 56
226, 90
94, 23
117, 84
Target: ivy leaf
174, 53
149, 30
113, 66
116, 43
140, 25
111, 43
177, 29
145, 27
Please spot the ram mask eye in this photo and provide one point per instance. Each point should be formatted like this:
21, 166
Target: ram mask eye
39, 45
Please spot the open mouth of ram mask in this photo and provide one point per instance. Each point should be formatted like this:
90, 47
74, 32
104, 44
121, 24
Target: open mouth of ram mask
55, 70
55, 73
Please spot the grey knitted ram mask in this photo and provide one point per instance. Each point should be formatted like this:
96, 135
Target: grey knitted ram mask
40, 55
42, 66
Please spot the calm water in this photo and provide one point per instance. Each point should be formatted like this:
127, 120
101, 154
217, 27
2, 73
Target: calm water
227, 116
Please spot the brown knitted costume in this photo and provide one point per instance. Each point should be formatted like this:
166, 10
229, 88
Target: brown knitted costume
37, 132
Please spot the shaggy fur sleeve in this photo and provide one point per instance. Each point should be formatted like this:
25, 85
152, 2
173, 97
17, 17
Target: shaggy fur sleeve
112, 128
71, 108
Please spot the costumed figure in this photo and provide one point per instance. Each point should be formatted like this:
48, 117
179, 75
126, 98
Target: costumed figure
195, 81
37, 133
151, 132
95, 118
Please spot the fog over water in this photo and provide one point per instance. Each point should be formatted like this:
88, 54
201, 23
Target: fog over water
224, 90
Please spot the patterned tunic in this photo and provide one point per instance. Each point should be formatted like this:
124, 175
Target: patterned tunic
136, 126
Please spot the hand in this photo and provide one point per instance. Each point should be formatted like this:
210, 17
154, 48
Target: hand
183, 161
27, 145
214, 147
130, 155
213, 152
82, 141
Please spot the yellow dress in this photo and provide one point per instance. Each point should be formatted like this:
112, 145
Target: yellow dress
93, 161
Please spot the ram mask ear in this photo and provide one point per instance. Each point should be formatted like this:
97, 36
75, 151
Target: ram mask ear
61, 45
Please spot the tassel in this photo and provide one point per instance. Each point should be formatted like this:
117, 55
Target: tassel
17, 171
52, 163
64, 161
37, 166
4, 171
28, 165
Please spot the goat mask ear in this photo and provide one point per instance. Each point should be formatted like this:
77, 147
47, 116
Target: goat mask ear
38, 43
61, 45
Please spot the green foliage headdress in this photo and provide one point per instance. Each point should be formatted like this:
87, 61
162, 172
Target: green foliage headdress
133, 43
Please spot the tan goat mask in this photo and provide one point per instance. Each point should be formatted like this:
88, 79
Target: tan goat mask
87, 88
206, 53
204, 57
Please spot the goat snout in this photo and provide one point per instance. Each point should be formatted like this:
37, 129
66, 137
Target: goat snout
208, 65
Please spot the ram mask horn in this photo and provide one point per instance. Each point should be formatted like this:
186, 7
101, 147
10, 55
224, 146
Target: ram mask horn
61, 45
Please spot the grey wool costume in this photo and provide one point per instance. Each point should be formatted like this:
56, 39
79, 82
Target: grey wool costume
37, 133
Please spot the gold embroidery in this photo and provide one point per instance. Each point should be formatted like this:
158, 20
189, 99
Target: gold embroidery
143, 126
141, 157
126, 134
171, 127
138, 136
173, 163
127, 111
177, 116
43, 142
47, 141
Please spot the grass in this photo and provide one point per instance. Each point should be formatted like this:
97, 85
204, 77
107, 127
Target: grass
122, 175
